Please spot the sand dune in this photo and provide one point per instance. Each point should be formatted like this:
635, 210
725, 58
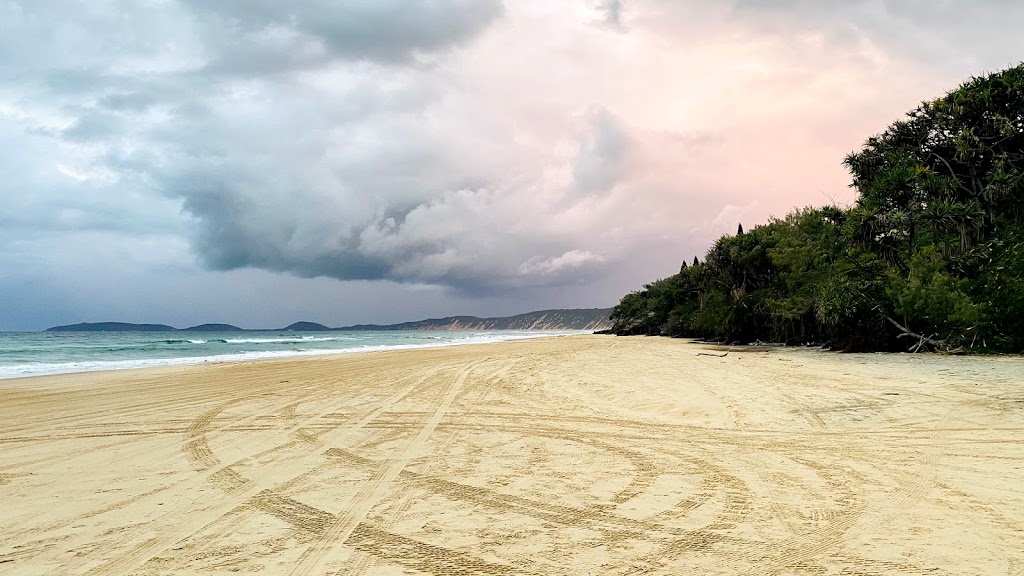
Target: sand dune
561, 456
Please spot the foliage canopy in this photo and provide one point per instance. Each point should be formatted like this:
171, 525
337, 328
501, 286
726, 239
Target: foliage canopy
930, 256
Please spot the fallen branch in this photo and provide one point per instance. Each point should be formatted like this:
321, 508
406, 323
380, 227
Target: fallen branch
921, 338
715, 355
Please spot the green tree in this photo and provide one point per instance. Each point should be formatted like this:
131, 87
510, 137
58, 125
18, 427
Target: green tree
932, 250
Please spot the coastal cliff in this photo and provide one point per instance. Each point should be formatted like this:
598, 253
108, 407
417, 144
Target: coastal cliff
578, 319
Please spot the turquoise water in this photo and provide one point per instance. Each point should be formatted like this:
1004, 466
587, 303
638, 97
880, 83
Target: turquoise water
33, 353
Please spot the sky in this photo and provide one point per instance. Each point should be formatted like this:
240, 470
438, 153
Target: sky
259, 162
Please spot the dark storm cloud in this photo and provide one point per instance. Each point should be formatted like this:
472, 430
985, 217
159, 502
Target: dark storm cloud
285, 130
383, 30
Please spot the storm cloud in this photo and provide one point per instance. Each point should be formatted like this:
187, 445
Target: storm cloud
463, 148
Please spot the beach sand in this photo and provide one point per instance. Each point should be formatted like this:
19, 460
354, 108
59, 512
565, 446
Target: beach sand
571, 455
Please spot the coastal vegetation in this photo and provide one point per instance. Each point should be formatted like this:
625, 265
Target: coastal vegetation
929, 257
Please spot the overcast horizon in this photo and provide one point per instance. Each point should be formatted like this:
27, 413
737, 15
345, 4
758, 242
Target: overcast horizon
259, 163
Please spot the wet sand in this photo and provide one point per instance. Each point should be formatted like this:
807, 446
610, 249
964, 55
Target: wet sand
560, 456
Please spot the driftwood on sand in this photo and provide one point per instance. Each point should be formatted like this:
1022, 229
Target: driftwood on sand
922, 340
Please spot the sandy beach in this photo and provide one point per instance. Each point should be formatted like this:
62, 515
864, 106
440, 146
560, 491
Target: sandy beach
559, 456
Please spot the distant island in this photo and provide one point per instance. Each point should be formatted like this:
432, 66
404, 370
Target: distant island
306, 327
214, 328
572, 319
112, 327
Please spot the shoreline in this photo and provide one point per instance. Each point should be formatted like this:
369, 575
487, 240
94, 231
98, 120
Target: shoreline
577, 454
84, 367
256, 356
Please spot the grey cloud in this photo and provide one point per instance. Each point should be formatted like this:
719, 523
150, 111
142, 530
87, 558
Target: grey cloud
184, 102
571, 260
600, 162
940, 33
93, 125
364, 189
144, 40
47, 189
385, 30
236, 230
128, 101
613, 13
949, 36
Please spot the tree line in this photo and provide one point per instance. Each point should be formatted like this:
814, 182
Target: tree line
929, 257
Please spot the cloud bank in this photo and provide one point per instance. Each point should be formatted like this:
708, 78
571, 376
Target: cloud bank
479, 148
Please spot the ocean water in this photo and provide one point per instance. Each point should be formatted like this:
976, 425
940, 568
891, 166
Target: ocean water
35, 353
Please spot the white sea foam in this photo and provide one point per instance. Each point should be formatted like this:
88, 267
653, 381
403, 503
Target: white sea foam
288, 340
40, 369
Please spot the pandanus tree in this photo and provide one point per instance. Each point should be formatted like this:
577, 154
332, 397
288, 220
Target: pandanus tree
943, 181
956, 163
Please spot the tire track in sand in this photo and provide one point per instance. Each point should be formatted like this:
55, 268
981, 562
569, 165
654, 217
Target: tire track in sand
374, 490
362, 558
239, 489
174, 527
803, 550
300, 516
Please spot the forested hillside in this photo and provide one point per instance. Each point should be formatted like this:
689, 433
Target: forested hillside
930, 256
